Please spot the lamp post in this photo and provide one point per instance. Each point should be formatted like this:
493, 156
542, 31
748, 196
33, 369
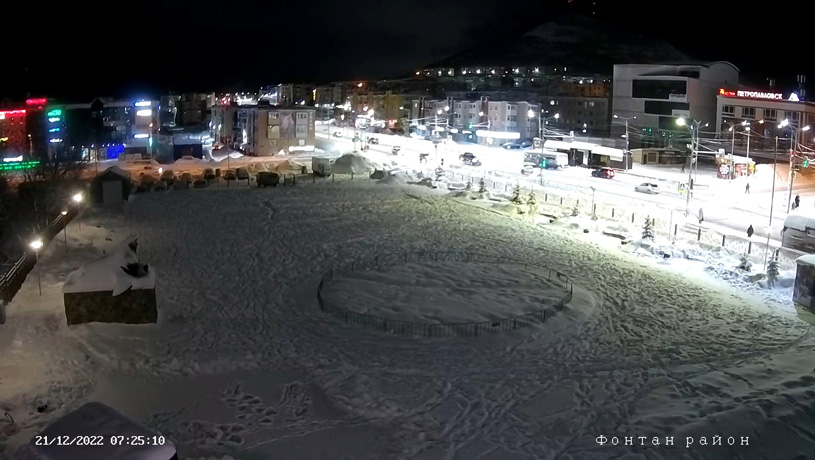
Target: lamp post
36, 245
772, 203
793, 145
694, 145
78, 200
627, 151
65, 228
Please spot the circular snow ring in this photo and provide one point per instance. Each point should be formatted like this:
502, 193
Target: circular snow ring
437, 329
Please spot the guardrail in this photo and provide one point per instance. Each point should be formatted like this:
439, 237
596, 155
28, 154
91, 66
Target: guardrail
471, 329
12, 280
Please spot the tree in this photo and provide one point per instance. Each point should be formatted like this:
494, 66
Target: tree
516, 195
482, 187
469, 185
532, 203
772, 273
744, 263
576, 209
648, 229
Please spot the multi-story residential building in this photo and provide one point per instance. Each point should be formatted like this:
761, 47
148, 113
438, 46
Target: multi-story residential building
584, 116
657, 95
14, 140
386, 105
759, 113
465, 117
264, 130
296, 94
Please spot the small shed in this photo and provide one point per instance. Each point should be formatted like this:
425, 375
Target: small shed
804, 291
112, 187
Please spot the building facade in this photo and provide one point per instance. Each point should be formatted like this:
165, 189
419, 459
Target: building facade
657, 95
264, 130
760, 113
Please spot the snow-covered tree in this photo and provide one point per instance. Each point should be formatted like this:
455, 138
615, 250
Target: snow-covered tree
576, 209
648, 229
532, 204
516, 195
482, 187
469, 185
772, 273
744, 263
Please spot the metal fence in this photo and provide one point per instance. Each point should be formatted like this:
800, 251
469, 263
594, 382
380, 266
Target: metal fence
472, 329
12, 280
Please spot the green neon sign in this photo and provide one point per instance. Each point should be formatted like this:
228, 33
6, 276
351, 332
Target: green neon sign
55, 113
18, 165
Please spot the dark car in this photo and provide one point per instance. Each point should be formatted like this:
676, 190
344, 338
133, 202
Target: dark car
337, 134
526, 145
511, 146
606, 173
266, 179
373, 140
469, 159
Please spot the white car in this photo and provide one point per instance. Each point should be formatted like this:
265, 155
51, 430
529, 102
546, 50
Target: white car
528, 169
647, 187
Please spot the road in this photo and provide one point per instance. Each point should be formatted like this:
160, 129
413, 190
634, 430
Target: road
729, 214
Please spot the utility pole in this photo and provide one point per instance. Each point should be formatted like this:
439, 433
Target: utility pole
772, 202
732, 147
792, 166
626, 144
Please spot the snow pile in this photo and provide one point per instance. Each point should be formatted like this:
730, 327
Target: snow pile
288, 166
351, 163
107, 273
394, 179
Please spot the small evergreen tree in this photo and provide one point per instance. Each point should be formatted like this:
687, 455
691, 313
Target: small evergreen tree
576, 209
772, 273
532, 204
648, 229
744, 263
516, 195
482, 187
469, 185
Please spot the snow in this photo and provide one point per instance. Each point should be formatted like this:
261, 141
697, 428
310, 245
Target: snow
118, 171
352, 163
808, 259
287, 166
800, 219
440, 293
106, 274
243, 363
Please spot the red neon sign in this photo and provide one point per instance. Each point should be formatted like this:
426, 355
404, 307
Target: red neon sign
11, 113
725, 93
36, 101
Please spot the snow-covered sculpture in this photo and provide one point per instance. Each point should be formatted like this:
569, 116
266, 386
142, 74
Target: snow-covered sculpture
118, 272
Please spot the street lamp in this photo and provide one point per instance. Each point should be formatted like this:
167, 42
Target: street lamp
78, 199
36, 245
793, 145
694, 147
65, 228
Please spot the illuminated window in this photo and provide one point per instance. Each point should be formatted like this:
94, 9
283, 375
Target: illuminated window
748, 112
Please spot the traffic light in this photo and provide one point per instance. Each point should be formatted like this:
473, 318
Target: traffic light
543, 163
806, 162
469, 125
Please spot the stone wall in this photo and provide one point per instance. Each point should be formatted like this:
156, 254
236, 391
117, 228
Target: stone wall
136, 306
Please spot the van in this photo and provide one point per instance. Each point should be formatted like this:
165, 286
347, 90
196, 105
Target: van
799, 232
242, 174
322, 166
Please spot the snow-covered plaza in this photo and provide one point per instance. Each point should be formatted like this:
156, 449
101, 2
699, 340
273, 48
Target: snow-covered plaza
243, 363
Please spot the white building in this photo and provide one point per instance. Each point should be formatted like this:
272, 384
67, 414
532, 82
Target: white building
465, 117
659, 94
760, 112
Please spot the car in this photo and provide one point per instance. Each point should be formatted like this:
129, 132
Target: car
266, 178
229, 174
395, 150
529, 168
168, 176
186, 177
209, 174
469, 159
647, 187
511, 146
337, 134
606, 173
242, 174
526, 145
373, 140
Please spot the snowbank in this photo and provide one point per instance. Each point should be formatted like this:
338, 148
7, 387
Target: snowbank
288, 166
107, 274
351, 163
394, 179
119, 171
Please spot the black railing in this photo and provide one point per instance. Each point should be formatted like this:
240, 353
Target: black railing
443, 329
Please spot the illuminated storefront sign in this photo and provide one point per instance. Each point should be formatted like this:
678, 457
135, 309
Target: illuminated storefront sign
15, 166
36, 101
751, 94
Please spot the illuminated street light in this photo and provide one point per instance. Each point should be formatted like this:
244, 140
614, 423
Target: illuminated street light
681, 121
557, 115
371, 112
481, 114
446, 108
530, 113
65, 228
36, 245
78, 199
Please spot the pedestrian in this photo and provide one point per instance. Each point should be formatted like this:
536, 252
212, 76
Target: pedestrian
683, 166
701, 216
747, 188
797, 202
749, 231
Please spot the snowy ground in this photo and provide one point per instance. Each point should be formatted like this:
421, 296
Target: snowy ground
448, 292
243, 363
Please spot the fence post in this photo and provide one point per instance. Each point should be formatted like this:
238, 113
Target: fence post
723, 238
2, 311
561, 201
699, 234
352, 175
545, 197
594, 210
505, 187
612, 213
749, 246
332, 177
676, 228
632, 217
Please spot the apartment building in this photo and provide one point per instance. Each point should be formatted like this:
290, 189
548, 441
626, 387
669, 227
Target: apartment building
264, 130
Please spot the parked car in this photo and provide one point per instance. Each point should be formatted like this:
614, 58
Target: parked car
469, 159
209, 174
526, 144
229, 174
529, 168
395, 150
200, 183
337, 134
606, 173
186, 177
168, 176
511, 146
266, 179
373, 140
647, 187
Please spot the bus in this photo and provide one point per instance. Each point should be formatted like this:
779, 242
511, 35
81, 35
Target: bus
548, 159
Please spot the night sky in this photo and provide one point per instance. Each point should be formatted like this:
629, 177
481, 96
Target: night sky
83, 49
